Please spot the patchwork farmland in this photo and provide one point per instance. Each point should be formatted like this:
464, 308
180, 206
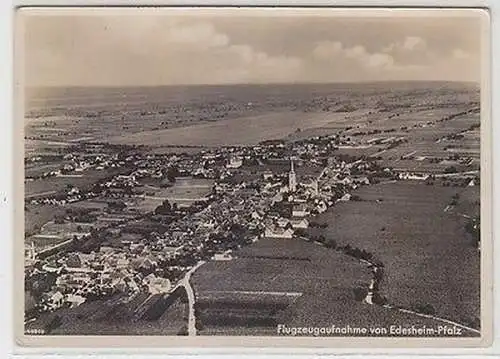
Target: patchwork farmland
157, 194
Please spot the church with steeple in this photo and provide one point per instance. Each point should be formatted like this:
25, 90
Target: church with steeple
292, 178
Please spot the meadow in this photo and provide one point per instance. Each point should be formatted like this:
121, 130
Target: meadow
427, 255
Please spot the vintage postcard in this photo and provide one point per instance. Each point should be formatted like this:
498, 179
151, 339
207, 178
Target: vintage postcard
224, 177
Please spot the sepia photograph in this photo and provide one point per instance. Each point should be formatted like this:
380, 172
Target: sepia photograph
252, 172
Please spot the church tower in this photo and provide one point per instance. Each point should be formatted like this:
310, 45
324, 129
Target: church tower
292, 179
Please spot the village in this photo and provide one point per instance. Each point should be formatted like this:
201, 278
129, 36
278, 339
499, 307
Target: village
122, 248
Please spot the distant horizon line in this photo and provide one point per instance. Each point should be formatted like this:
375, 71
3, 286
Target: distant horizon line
254, 84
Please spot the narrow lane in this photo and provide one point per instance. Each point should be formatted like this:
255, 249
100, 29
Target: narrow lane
191, 298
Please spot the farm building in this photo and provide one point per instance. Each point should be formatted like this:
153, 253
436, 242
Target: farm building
301, 223
278, 232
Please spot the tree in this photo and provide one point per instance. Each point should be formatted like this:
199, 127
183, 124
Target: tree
425, 308
379, 299
450, 169
473, 227
237, 229
360, 293
118, 205
300, 232
53, 324
331, 244
165, 208
356, 198
172, 173
166, 204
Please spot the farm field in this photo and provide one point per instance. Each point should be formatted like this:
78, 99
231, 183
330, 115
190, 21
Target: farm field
374, 317
468, 203
44, 147
399, 122
425, 167
319, 282
67, 227
358, 151
178, 115
143, 205
41, 229
102, 314
302, 168
182, 192
51, 130
427, 143
162, 150
276, 271
313, 132
34, 170
97, 114
427, 256
36, 216
309, 312
276, 265
241, 131
56, 184
94, 205
40, 243
51, 233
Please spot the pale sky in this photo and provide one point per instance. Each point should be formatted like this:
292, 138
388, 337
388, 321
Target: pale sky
166, 47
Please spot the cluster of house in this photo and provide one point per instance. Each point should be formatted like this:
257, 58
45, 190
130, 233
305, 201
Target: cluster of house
76, 163
114, 187
274, 205
80, 276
